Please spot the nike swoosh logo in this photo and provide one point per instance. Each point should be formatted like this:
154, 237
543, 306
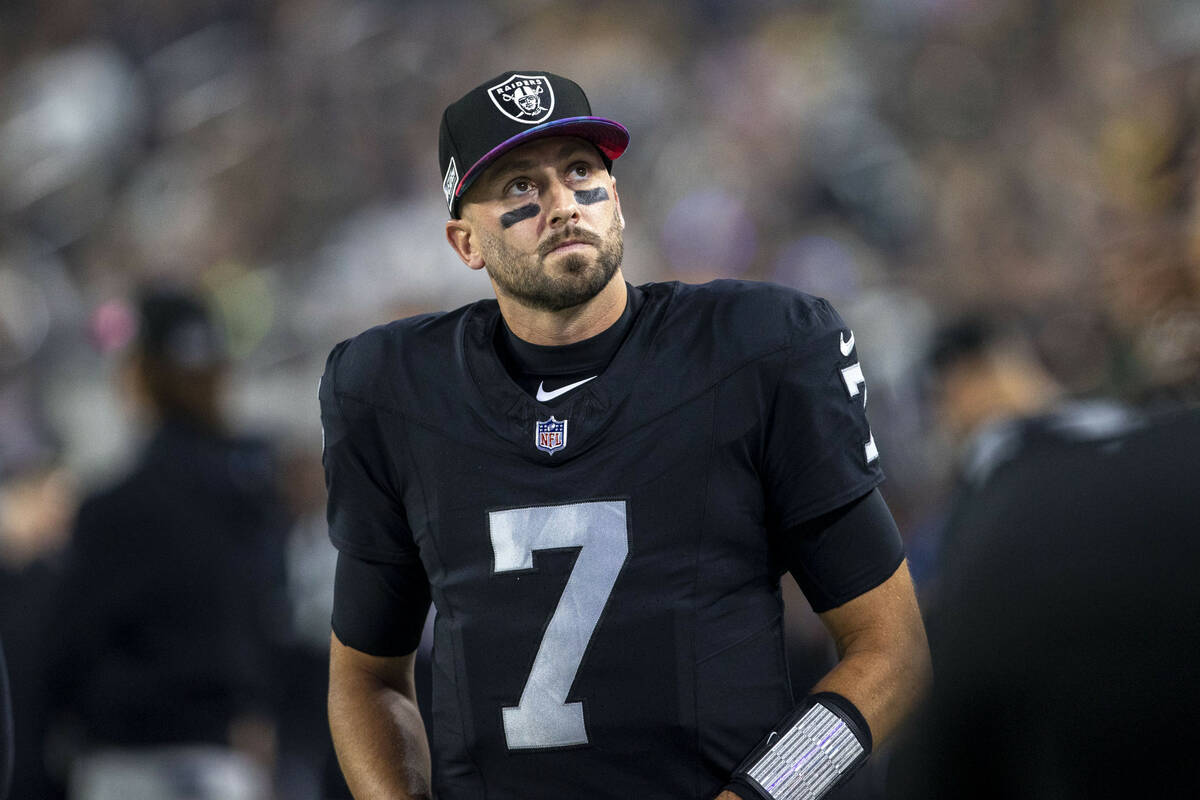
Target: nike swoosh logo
847, 344
543, 395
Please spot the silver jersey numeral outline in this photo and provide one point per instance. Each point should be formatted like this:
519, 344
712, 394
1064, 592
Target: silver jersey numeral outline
853, 378
599, 529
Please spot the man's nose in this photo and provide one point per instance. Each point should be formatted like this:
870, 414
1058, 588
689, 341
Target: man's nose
563, 206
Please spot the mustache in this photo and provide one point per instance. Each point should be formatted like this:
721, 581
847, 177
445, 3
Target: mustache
574, 235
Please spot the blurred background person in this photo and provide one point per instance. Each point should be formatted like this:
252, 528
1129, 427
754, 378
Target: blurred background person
37, 507
1066, 647
172, 599
994, 399
1060, 640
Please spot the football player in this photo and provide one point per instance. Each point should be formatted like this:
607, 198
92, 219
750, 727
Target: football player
600, 485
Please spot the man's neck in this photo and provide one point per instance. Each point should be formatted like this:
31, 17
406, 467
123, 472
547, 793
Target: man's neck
571, 324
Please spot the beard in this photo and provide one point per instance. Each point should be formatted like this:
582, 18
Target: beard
581, 276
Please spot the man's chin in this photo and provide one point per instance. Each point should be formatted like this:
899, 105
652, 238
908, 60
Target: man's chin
572, 289
576, 263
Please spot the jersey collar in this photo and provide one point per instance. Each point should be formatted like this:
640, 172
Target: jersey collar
512, 413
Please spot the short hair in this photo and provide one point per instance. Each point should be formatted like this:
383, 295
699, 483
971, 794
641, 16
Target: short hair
968, 338
177, 329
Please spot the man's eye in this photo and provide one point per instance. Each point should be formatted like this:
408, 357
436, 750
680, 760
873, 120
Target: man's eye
520, 186
581, 170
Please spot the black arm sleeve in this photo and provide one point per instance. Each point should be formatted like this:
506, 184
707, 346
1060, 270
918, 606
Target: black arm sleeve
379, 608
844, 553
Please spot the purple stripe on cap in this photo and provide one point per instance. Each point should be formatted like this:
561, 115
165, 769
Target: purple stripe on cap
550, 129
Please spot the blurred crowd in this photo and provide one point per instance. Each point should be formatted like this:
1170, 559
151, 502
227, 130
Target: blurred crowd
918, 163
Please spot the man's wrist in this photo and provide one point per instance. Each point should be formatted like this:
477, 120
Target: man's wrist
739, 789
817, 746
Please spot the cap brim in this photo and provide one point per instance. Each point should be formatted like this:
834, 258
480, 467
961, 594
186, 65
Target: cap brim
610, 137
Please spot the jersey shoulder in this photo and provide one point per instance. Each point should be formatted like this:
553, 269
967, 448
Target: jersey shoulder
383, 365
747, 317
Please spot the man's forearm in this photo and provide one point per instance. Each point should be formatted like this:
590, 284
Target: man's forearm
378, 735
884, 694
884, 673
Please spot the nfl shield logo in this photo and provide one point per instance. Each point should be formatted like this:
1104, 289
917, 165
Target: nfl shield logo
550, 435
524, 98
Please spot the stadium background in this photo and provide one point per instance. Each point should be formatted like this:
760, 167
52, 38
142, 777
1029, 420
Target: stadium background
910, 161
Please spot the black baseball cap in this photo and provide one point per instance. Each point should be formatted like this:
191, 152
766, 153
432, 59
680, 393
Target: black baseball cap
509, 110
177, 328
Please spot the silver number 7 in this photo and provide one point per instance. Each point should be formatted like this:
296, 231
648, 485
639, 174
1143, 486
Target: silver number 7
543, 717
853, 378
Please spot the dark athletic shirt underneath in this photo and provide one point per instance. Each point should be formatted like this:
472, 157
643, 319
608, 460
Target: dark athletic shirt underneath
554, 366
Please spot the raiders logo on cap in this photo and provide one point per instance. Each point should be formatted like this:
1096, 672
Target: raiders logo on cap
524, 98
532, 104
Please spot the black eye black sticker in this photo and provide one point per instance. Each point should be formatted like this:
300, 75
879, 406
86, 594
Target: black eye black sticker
510, 218
589, 196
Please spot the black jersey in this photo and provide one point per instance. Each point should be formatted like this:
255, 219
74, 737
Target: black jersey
605, 571
1069, 639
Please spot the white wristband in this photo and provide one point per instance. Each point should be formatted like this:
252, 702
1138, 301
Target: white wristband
807, 758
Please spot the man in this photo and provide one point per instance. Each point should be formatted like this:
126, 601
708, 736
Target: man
996, 400
600, 485
173, 588
1067, 665
37, 509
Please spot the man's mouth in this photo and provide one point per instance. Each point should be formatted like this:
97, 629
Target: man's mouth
568, 245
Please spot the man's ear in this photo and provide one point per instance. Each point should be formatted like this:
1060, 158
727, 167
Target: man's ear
461, 236
617, 200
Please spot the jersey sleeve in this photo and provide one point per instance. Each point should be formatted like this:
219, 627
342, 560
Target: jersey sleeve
843, 553
366, 517
379, 609
820, 453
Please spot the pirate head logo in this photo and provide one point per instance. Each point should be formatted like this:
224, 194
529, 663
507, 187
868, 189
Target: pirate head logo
524, 98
